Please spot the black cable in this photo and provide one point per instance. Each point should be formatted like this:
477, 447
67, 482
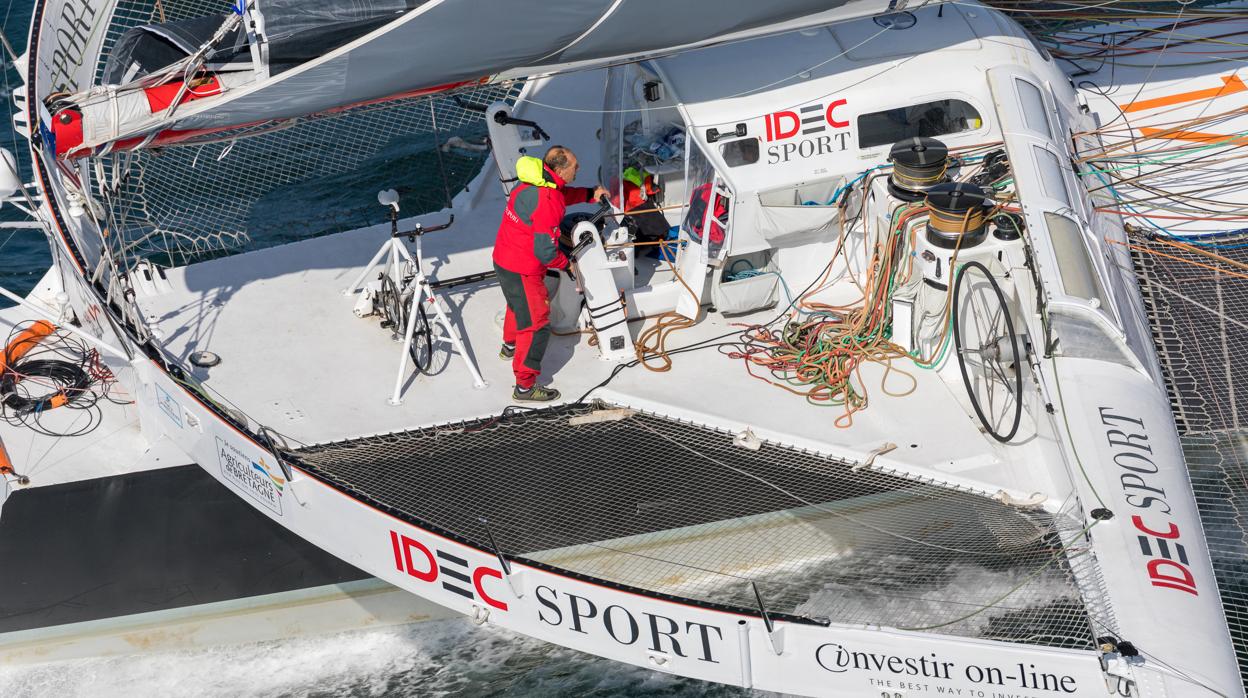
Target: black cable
56, 371
68, 382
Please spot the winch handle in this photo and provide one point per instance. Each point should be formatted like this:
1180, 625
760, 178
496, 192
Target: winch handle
586, 240
604, 210
502, 118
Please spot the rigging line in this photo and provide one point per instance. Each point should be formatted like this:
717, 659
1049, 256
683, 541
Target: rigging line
6, 240
1162, 52
1135, 31
437, 149
1036, 10
8, 89
1098, 49
1187, 247
1145, 250
1186, 675
13, 56
1229, 141
820, 507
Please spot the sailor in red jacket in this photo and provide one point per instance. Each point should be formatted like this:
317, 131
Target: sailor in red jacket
528, 245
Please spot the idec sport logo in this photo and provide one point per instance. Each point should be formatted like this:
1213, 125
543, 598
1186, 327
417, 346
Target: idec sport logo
814, 129
457, 575
1131, 449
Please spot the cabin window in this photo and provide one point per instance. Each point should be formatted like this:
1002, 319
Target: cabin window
742, 152
706, 215
931, 119
1035, 115
1074, 263
1051, 178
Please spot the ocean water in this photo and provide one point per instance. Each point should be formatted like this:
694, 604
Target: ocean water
448, 658
23, 253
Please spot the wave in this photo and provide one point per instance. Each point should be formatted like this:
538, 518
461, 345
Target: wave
450, 658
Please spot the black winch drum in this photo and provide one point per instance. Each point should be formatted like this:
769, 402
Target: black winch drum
918, 164
957, 211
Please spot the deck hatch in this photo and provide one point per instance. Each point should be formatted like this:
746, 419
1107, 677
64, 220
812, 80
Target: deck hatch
673, 508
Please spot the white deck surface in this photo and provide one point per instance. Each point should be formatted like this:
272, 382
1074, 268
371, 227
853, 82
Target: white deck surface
296, 359
113, 447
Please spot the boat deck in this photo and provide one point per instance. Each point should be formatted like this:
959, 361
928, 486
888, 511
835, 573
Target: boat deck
106, 438
297, 360
889, 518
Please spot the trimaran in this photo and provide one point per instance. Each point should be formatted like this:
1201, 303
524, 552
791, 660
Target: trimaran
913, 392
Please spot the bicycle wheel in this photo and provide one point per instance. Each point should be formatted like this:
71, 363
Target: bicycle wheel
389, 305
988, 351
421, 348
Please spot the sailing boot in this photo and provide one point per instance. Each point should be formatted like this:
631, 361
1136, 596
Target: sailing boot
535, 394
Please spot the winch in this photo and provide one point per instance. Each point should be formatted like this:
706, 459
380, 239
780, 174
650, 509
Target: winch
958, 215
957, 222
918, 164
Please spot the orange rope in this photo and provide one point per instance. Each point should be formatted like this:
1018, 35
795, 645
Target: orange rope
1176, 258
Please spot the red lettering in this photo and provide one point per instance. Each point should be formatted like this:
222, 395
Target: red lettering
477, 574
1169, 535
1183, 583
777, 131
398, 553
423, 575
832, 119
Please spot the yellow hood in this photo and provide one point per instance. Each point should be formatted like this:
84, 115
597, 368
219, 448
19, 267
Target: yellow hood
531, 171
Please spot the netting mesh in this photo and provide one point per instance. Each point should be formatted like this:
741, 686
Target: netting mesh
1198, 309
278, 182
1218, 464
298, 180
677, 509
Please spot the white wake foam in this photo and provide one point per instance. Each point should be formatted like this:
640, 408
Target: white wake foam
449, 658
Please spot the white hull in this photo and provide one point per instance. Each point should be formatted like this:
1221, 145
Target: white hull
1096, 455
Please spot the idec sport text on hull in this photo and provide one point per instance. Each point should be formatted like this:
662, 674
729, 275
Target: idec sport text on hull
429, 564
74, 29
808, 126
628, 627
1166, 563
